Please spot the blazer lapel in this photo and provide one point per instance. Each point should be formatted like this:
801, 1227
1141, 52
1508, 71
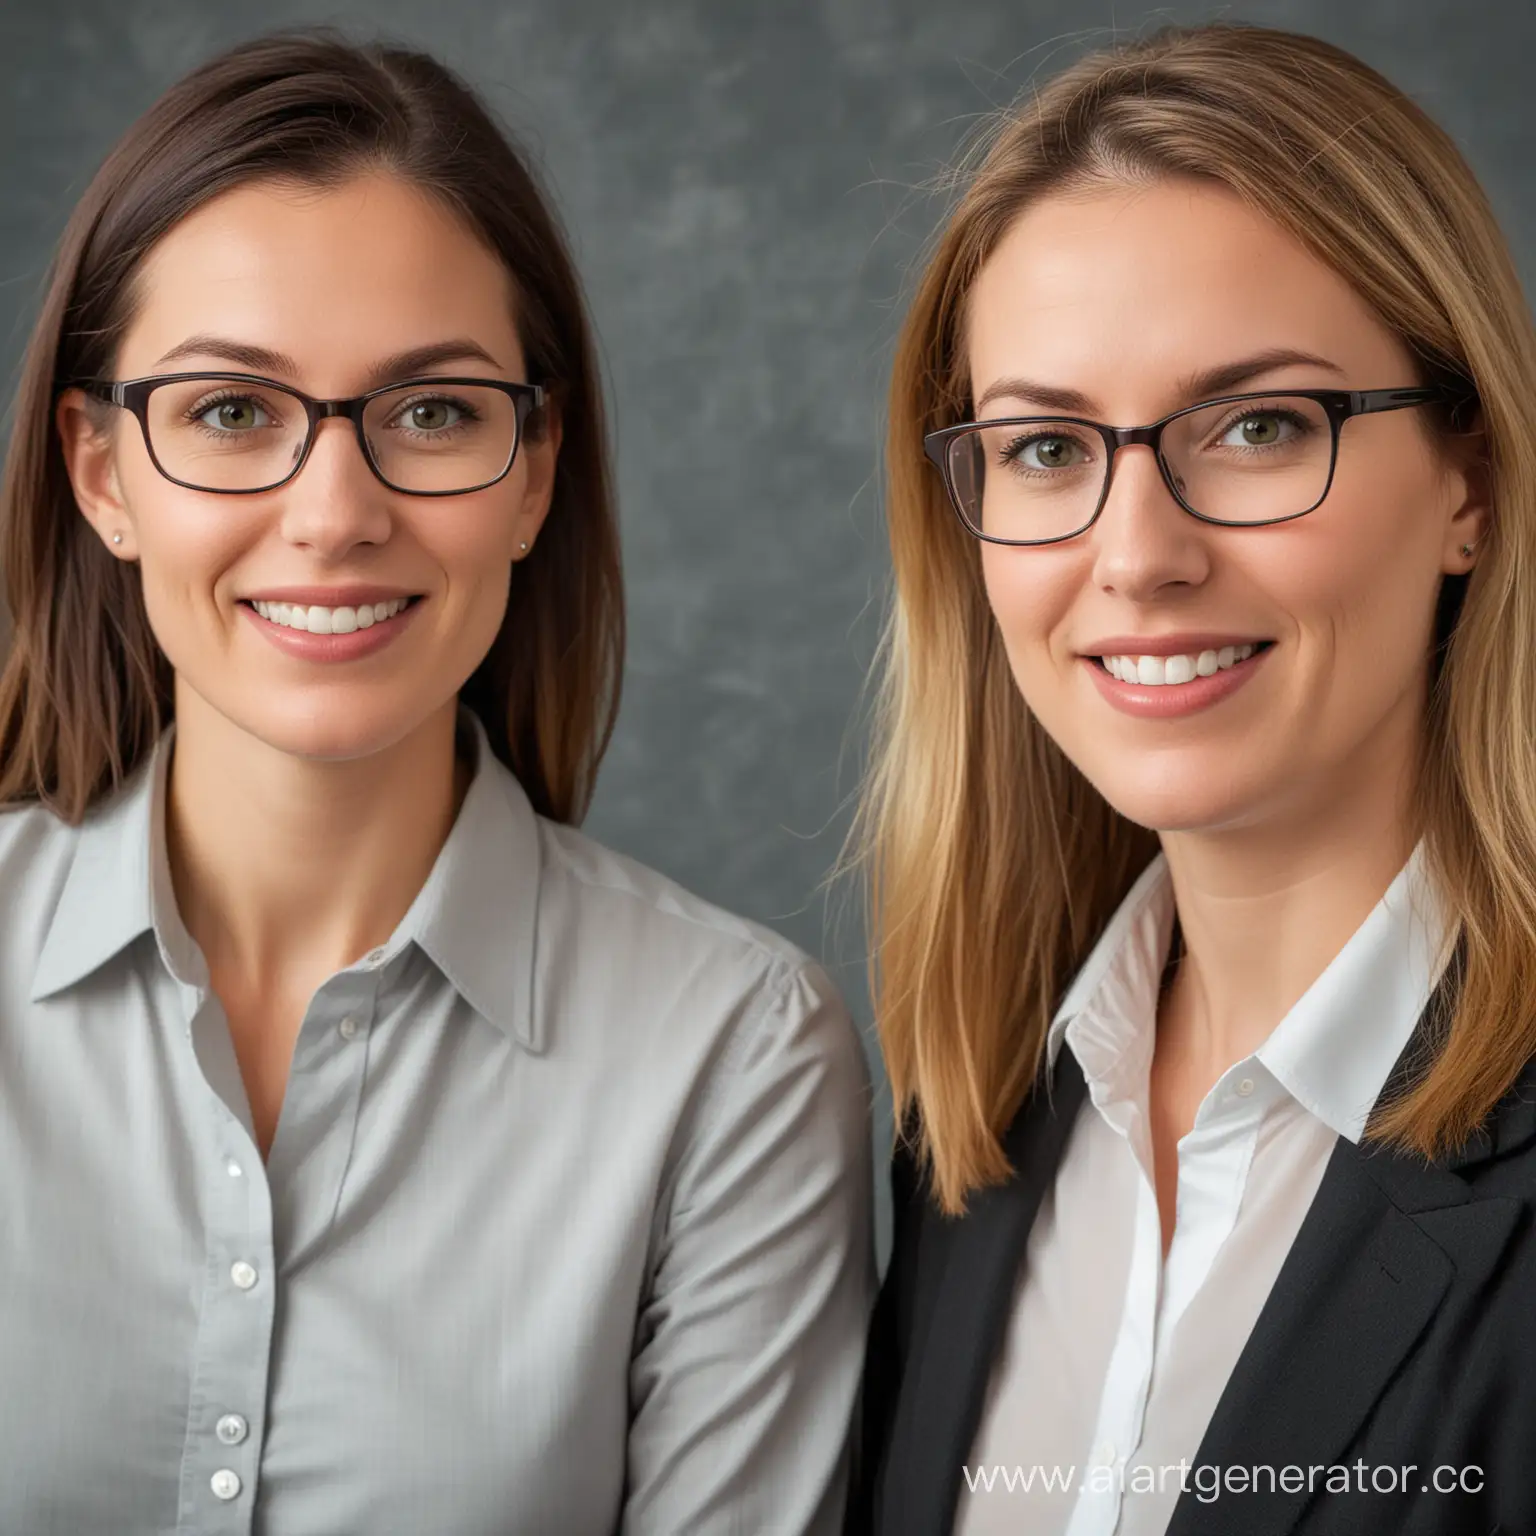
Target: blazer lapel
1384, 1240
1357, 1289
931, 1439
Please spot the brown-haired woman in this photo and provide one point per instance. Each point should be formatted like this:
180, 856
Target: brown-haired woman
377, 1154
1203, 831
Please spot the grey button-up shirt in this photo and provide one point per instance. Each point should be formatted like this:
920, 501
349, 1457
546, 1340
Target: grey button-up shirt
565, 1228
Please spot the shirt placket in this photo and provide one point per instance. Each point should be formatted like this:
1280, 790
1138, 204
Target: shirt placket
262, 1218
226, 1412
1214, 1162
1123, 1401
1213, 1165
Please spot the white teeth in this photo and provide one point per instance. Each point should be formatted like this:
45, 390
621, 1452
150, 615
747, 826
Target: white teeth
329, 621
1159, 671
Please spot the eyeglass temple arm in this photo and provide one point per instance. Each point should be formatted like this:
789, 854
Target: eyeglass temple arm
1365, 402
111, 393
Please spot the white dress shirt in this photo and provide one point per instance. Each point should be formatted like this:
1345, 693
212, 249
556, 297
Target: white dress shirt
1115, 1359
565, 1229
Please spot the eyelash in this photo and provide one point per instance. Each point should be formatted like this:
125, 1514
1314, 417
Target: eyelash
1010, 451
1300, 423
194, 413
467, 413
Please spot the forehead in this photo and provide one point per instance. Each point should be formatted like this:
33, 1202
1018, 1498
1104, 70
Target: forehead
334, 277
1114, 288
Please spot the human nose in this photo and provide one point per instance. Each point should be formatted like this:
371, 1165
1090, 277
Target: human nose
335, 500
1143, 539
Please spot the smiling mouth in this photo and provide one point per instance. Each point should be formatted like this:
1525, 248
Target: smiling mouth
1171, 671
313, 619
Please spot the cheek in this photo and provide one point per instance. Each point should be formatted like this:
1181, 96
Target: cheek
1029, 592
472, 537
472, 542
1362, 578
186, 542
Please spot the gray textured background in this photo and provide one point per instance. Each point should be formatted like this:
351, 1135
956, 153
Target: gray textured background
740, 181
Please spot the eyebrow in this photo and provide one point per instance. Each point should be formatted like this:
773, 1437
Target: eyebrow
279, 365
1223, 379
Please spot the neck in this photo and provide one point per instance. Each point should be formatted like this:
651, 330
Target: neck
1263, 909
289, 869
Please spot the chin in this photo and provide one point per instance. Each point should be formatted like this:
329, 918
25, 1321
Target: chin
1181, 804
332, 734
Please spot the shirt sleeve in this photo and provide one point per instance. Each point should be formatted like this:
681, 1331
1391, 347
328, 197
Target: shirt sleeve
750, 1340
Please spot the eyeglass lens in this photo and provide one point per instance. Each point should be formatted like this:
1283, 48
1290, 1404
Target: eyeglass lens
1246, 462
220, 435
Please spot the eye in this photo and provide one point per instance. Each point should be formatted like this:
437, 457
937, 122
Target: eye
1045, 450
1261, 429
234, 413
431, 415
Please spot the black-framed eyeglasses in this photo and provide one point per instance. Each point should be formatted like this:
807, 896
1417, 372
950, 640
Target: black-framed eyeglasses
237, 433
1239, 461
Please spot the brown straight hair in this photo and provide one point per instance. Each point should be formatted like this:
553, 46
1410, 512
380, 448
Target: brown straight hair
993, 865
85, 689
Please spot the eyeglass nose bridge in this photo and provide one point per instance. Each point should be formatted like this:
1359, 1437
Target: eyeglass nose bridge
352, 410
1149, 436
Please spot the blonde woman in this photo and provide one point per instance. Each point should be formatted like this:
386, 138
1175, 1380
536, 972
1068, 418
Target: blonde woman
1203, 833
377, 1152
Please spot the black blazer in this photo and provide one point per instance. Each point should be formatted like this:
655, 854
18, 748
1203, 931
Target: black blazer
1401, 1331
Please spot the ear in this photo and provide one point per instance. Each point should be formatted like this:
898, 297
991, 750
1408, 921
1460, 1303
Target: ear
1469, 482
541, 445
90, 460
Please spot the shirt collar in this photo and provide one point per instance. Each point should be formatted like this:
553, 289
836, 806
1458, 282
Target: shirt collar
475, 917
1112, 1002
1333, 1051
118, 885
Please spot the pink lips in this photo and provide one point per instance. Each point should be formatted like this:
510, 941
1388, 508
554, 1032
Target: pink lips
308, 647
1173, 700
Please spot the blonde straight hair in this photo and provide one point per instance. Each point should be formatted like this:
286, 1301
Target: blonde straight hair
992, 864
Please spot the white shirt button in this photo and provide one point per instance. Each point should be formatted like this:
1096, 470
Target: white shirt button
242, 1274
348, 1027
1245, 1086
234, 1169
224, 1483
374, 957
231, 1429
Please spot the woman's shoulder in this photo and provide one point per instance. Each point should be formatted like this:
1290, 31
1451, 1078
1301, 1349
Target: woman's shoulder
712, 986
637, 904
36, 847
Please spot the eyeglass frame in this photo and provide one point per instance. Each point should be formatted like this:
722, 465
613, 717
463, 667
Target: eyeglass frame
132, 395
1339, 405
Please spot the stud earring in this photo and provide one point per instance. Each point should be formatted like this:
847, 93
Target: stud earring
117, 538
524, 546
1466, 549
